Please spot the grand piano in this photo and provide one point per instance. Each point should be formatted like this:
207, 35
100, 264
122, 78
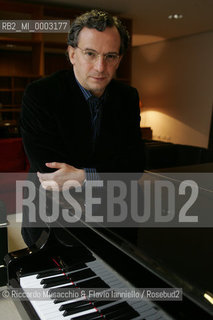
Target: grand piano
109, 258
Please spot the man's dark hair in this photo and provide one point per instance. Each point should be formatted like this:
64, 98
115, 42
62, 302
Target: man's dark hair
99, 20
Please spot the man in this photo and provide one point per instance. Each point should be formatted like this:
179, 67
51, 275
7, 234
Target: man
81, 122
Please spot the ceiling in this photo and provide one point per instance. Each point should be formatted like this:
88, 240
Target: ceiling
150, 17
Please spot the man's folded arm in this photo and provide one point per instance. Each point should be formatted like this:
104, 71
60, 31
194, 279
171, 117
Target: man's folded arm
38, 130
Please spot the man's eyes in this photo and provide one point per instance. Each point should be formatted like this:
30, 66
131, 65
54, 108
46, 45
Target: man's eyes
90, 53
111, 56
94, 55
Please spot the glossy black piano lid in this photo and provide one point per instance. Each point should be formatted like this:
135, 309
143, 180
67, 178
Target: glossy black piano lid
181, 257
159, 265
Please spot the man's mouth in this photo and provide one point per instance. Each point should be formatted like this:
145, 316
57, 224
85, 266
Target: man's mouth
99, 78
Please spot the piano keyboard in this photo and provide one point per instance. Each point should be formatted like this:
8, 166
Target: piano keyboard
95, 274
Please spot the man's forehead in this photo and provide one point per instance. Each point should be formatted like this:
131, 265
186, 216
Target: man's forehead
92, 35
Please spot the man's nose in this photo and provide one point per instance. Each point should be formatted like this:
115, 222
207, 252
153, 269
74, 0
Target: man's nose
100, 63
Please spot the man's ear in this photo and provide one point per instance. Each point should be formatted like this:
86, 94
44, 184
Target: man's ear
71, 54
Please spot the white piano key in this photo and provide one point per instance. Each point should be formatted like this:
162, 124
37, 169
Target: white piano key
47, 310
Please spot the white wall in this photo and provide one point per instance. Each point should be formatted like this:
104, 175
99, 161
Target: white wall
175, 82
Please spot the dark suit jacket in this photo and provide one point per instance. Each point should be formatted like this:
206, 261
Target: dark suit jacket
56, 126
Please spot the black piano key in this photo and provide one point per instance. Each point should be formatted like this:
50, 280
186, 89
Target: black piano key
77, 309
118, 310
116, 307
114, 314
51, 272
83, 274
101, 303
121, 311
76, 266
128, 315
73, 304
55, 290
75, 276
54, 281
44, 274
93, 283
91, 316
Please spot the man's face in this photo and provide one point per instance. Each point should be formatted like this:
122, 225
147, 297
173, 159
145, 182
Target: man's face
95, 75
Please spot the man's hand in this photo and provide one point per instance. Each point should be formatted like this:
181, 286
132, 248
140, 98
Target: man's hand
65, 177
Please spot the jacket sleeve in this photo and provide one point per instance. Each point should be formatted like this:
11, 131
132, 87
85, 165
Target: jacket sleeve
38, 129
